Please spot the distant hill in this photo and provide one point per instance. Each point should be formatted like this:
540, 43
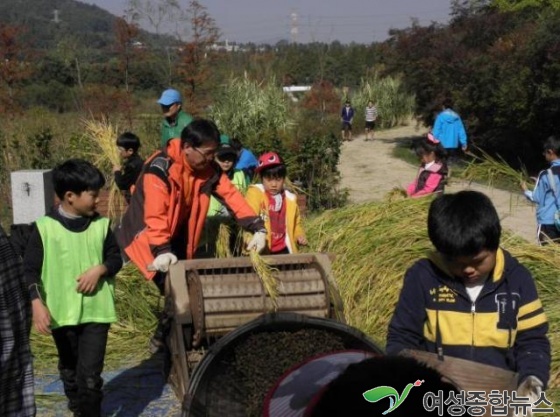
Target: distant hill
90, 25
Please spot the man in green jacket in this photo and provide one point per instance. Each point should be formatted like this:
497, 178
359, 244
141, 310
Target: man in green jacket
175, 119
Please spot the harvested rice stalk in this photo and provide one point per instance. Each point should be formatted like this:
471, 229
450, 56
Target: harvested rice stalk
267, 275
492, 169
290, 186
104, 134
397, 193
222, 242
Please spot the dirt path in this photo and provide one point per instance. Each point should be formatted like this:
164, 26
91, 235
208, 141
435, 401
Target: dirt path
369, 171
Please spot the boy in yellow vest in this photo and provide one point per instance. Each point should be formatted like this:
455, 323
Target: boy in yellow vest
276, 206
69, 266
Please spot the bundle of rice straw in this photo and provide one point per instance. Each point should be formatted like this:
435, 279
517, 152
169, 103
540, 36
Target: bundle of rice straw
492, 170
103, 134
267, 275
222, 242
375, 243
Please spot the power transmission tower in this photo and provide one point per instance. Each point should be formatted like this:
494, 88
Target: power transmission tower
56, 18
294, 27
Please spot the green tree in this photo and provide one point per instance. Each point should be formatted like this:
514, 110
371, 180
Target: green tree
517, 5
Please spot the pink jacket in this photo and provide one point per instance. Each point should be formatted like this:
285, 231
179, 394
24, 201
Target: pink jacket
428, 181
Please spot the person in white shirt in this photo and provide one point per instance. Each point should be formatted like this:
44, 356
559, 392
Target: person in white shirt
371, 117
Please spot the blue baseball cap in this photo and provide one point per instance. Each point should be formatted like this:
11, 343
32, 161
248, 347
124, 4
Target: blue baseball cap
169, 97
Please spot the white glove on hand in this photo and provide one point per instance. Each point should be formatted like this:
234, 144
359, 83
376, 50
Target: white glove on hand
162, 262
530, 387
258, 242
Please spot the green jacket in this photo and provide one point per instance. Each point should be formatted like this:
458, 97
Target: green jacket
170, 132
216, 208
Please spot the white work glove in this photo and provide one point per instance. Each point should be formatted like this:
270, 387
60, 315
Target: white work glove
530, 387
257, 242
162, 262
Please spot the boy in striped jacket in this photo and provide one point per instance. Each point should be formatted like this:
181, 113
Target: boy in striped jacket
371, 117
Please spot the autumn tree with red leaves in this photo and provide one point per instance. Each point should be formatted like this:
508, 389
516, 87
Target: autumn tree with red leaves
126, 34
198, 57
15, 66
322, 99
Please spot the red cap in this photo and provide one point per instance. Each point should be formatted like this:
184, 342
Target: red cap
268, 160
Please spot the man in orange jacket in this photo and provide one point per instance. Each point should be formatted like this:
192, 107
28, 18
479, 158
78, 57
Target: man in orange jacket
164, 220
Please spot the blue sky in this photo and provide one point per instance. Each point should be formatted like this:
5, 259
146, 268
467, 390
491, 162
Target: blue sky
321, 20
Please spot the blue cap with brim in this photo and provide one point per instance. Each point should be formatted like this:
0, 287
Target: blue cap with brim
169, 97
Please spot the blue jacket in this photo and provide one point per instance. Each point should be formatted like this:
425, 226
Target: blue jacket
543, 196
505, 327
449, 130
247, 160
247, 163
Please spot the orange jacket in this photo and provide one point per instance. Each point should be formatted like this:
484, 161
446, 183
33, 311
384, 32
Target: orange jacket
171, 201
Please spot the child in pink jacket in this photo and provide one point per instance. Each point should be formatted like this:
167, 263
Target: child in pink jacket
433, 169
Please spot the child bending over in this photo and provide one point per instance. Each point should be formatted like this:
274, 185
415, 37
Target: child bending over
471, 299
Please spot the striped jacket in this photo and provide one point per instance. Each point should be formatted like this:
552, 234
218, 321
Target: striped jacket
505, 327
371, 113
17, 397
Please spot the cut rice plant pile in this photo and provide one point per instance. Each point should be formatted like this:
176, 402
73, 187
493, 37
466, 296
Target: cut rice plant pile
137, 303
104, 135
493, 171
375, 243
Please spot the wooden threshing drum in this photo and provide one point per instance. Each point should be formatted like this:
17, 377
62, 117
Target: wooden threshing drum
208, 298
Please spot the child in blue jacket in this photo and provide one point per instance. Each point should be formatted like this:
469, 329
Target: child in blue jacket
546, 194
471, 299
450, 131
